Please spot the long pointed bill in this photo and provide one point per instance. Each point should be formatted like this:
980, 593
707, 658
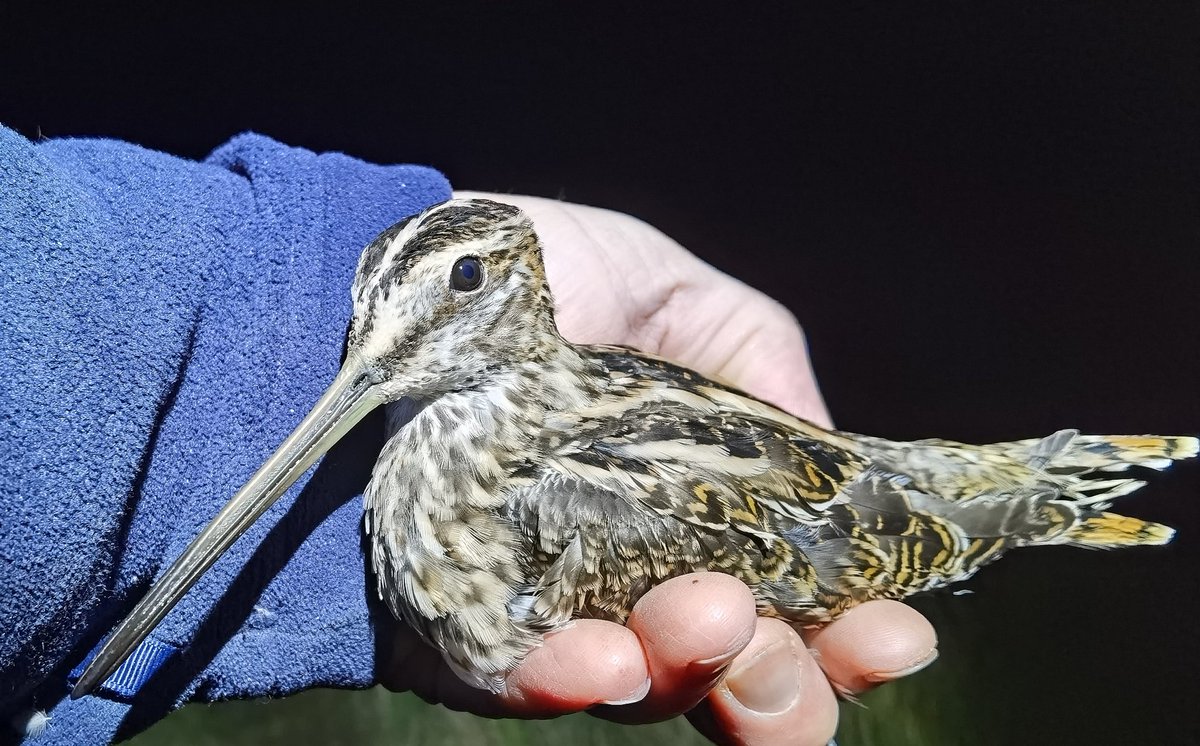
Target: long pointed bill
348, 399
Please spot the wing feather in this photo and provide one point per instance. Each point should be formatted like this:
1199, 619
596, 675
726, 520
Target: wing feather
668, 473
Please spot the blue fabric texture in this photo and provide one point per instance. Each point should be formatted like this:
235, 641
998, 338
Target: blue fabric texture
124, 683
164, 323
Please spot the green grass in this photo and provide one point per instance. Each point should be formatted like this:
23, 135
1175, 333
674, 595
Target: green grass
907, 713
1031, 658
332, 718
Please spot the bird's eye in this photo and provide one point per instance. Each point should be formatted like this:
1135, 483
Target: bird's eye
467, 274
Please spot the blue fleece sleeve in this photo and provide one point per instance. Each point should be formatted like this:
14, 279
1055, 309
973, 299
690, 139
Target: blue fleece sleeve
163, 325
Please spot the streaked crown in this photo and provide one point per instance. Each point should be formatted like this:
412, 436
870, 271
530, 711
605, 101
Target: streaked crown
449, 296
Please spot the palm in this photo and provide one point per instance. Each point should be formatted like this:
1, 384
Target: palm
617, 280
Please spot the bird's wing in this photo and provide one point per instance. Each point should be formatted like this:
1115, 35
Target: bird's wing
594, 550
669, 472
817, 520
703, 451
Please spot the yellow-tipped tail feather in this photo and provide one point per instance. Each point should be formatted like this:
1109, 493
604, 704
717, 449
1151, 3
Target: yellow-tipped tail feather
1119, 452
1110, 530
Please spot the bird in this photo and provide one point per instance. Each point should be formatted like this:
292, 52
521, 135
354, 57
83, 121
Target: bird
527, 481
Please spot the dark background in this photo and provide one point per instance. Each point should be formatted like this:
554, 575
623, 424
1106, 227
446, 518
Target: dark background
986, 220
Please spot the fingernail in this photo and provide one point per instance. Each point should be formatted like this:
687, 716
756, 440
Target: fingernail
882, 677
707, 672
719, 661
769, 682
637, 695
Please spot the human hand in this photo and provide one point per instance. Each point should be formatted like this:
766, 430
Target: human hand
693, 644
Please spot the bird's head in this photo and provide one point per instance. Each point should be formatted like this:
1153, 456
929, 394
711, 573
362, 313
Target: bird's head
449, 298
442, 301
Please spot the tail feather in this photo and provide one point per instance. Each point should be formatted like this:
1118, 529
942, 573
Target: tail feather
931, 513
1070, 465
1079, 464
1084, 454
1111, 531
1063, 463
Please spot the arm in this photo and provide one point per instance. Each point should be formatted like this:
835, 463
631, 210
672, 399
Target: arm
164, 324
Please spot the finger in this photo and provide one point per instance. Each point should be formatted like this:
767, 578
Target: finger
774, 693
592, 662
691, 628
876, 642
588, 663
